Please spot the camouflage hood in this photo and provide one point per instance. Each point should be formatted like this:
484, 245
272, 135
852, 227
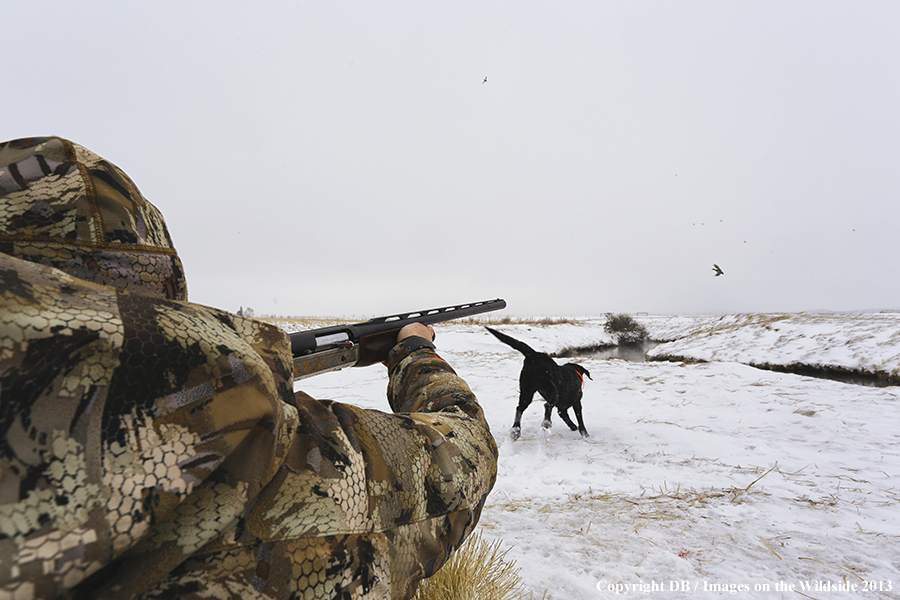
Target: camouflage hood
63, 206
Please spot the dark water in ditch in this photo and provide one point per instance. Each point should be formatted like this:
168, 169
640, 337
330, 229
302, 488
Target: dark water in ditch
632, 352
638, 353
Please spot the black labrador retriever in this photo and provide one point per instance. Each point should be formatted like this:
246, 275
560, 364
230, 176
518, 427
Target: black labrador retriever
559, 385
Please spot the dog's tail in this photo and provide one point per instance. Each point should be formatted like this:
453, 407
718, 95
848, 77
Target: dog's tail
520, 346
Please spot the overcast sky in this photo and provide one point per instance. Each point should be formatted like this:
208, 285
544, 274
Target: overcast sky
347, 158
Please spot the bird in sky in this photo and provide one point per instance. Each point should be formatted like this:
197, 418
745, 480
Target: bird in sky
718, 270
485, 80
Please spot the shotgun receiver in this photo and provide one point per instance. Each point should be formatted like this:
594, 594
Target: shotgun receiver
362, 344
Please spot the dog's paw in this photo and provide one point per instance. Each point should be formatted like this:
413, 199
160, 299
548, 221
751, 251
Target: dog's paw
546, 424
584, 433
514, 433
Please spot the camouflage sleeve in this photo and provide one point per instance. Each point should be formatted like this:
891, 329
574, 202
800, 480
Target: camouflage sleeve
367, 503
428, 470
421, 381
461, 464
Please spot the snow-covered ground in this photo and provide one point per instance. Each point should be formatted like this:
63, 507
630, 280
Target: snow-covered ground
699, 480
868, 343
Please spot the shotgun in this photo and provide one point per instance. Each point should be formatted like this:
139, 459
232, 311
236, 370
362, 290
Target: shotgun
361, 344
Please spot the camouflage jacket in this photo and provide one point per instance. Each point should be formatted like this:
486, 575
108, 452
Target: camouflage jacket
154, 448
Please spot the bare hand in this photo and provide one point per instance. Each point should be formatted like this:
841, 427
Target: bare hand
416, 329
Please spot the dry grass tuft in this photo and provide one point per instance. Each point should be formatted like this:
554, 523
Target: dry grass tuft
477, 571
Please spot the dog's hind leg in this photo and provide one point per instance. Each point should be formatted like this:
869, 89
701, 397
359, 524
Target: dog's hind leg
576, 408
564, 415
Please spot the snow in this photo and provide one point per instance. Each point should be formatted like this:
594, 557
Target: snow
868, 343
699, 479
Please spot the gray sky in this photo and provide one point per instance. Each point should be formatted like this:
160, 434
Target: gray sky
346, 158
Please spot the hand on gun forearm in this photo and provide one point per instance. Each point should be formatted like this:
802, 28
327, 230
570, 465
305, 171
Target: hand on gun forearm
416, 329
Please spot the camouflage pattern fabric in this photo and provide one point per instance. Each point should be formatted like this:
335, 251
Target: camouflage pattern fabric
153, 448
64, 206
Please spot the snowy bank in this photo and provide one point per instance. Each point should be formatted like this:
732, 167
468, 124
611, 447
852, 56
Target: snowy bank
867, 343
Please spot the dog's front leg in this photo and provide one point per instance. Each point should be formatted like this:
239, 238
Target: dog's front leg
526, 395
516, 430
548, 411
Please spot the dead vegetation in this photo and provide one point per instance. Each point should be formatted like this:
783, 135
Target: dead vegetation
506, 320
656, 504
576, 351
477, 571
297, 323
624, 329
857, 376
300, 323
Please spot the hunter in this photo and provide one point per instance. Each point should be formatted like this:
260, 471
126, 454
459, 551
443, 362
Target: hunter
154, 448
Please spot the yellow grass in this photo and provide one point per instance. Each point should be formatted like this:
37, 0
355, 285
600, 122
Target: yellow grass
477, 571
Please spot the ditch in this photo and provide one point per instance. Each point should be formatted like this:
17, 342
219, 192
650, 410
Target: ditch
638, 353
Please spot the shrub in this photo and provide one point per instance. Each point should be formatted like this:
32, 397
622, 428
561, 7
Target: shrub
624, 329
